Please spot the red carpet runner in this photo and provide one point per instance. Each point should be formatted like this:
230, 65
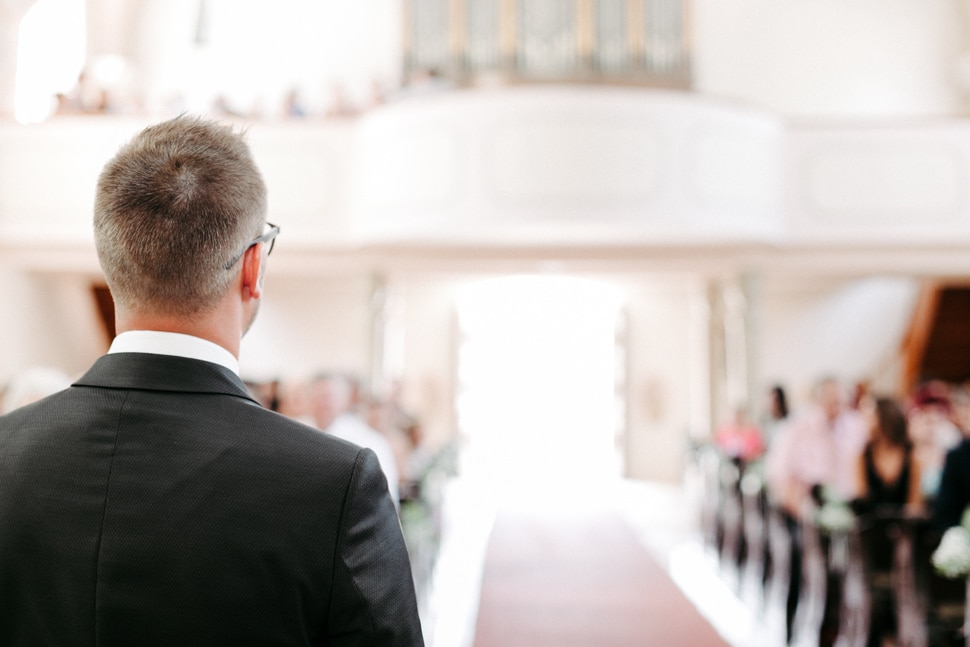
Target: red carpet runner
583, 582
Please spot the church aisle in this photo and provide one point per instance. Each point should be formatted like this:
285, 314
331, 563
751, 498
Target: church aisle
611, 565
580, 577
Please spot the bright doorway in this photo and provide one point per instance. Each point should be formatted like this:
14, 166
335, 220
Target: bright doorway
540, 382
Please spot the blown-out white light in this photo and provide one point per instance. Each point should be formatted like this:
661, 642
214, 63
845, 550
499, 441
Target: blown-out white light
537, 378
50, 57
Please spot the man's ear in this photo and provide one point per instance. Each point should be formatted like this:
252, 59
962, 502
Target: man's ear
252, 269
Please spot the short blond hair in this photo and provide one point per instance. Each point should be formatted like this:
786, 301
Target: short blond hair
173, 207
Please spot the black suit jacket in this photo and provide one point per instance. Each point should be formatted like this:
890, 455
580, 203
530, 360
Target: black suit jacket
953, 495
155, 503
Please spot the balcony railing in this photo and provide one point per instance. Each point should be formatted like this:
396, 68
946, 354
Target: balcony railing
617, 41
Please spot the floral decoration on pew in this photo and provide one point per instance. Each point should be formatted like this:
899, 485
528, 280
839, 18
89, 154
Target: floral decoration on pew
952, 557
753, 477
834, 514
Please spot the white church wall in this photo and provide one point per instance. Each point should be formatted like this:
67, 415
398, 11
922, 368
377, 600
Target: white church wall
558, 165
832, 58
544, 167
667, 372
50, 320
308, 325
421, 356
848, 327
902, 182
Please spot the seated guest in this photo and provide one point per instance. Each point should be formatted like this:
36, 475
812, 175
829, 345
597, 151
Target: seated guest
960, 409
266, 393
740, 439
888, 481
330, 404
818, 448
294, 400
382, 415
932, 431
953, 495
775, 413
888, 473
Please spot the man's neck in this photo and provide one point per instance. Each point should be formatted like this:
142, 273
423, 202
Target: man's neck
201, 327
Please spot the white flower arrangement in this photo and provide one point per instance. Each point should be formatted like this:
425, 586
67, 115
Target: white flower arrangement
952, 557
835, 516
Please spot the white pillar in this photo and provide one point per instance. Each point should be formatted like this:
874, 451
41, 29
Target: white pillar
378, 333
751, 286
701, 361
717, 354
735, 347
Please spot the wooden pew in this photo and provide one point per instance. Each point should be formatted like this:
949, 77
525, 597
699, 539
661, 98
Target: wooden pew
813, 614
757, 558
880, 590
731, 547
708, 461
890, 559
944, 600
775, 608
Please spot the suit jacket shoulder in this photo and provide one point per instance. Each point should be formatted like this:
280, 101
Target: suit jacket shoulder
155, 500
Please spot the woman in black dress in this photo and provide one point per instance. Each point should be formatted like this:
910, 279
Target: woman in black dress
888, 483
888, 474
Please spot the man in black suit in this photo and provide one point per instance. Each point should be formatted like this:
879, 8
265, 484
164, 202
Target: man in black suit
953, 495
154, 502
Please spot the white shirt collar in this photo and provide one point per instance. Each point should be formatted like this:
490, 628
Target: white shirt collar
173, 343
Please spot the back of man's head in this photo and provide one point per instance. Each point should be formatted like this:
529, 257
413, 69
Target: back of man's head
173, 208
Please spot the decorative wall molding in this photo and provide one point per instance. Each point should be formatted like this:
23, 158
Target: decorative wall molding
584, 169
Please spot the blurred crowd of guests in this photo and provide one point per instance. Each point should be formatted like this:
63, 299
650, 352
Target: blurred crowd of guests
874, 454
860, 446
331, 402
417, 471
341, 405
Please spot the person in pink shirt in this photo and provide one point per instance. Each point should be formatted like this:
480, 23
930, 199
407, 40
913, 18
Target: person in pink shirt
819, 447
739, 438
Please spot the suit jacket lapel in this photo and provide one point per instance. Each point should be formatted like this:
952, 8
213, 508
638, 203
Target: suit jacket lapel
150, 372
